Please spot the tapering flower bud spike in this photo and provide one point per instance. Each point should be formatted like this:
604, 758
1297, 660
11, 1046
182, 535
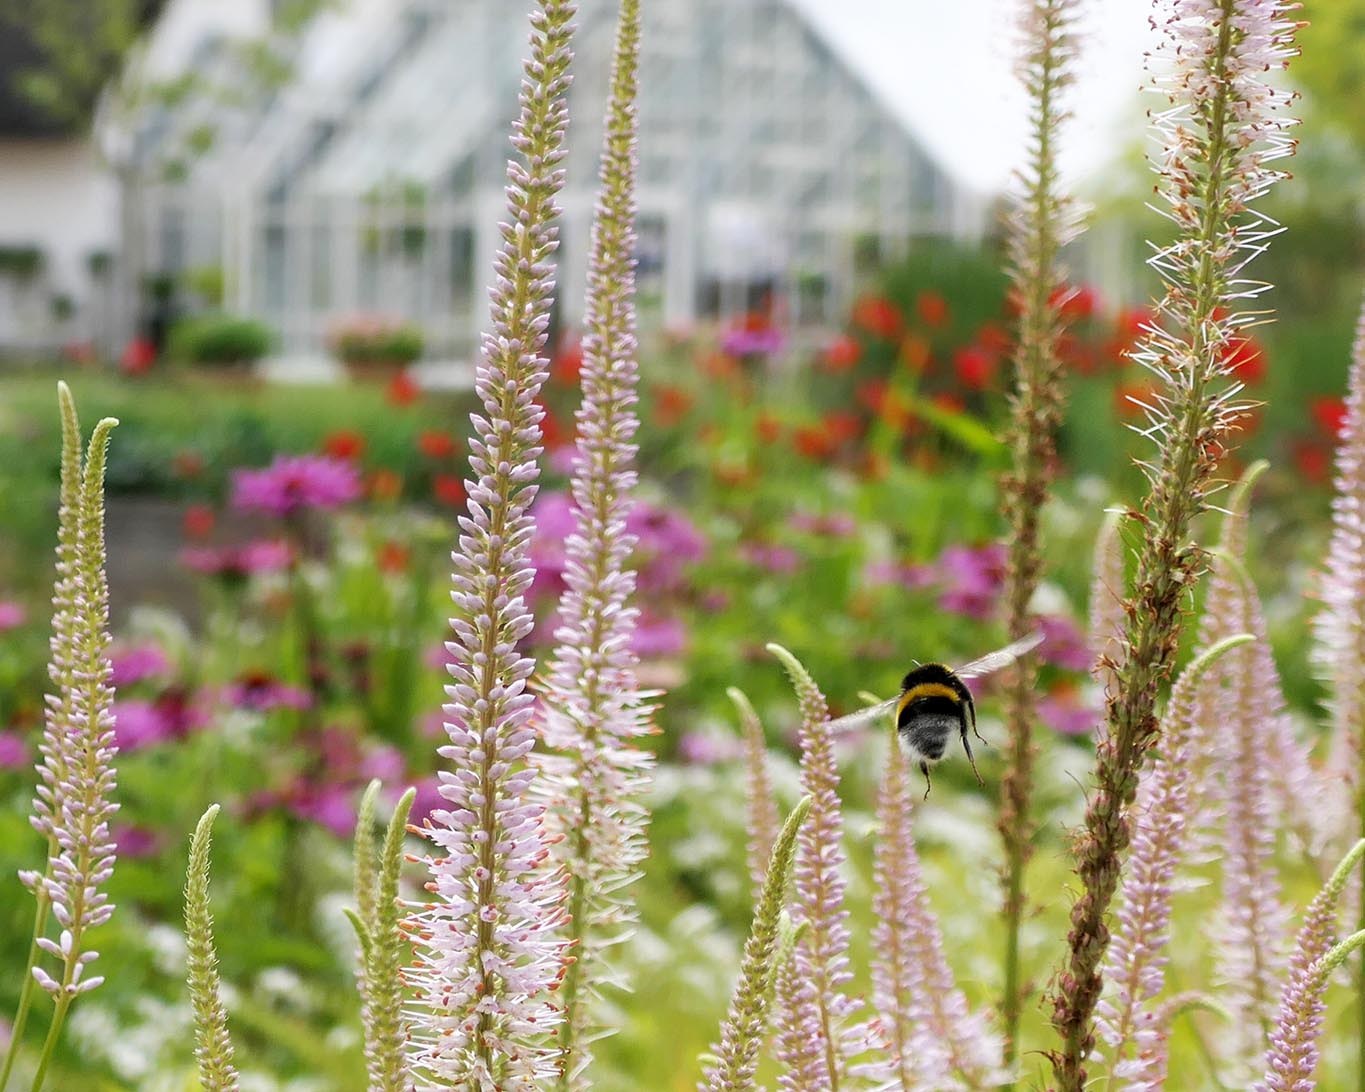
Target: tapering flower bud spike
745, 1025
1293, 1053
213, 1044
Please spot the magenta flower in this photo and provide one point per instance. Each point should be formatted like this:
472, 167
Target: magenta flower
1063, 643
427, 800
775, 559
295, 482
12, 615
235, 563
655, 637
131, 841
836, 526
331, 806
13, 751
1066, 714
262, 694
912, 577
133, 665
972, 579
139, 724
739, 341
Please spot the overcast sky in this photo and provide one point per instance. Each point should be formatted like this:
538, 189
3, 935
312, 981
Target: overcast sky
947, 66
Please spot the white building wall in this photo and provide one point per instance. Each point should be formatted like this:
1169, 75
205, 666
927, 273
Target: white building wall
55, 195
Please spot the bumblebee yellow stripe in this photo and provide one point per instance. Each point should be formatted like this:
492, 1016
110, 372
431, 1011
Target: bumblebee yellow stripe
925, 690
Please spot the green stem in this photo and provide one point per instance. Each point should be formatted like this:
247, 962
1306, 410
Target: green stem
50, 1044
1037, 399
26, 991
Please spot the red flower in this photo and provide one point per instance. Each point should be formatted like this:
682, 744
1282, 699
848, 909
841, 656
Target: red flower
448, 489
1313, 460
670, 404
138, 357
198, 521
392, 557
1244, 359
385, 485
842, 353
403, 390
551, 431
720, 365
993, 338
813, 442
343, 444
841, 426
933, 309
1128, 395
568, 362
879, 316
1072, 351
767, 428
1330, 414
974, 367
188, 464
1132, 323
1073, 301
435, 444
914, 353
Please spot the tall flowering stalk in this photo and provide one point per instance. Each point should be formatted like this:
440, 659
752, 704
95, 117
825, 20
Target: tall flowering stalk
212, 1043
1222, 130
818, 1040
73, 806
59, 713
1042, 223
595, 710
1293, 1052
761, 816
1339, 630
489, 943
1243, 698
378, 926
1134, 1026
745, 1024
936, 1041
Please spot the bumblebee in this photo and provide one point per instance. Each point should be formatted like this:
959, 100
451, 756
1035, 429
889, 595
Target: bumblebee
934, 702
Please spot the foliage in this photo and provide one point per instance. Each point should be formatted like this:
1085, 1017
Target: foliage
376, 340
218, 338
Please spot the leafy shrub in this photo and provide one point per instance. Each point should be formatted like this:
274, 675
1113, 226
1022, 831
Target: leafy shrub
373, 339
218, 338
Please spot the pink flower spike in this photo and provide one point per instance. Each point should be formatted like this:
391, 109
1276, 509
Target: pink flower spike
1293, 1053
935, 1040
819, 1040
488, 942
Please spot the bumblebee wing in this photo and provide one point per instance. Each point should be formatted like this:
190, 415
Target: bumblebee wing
1003, 657
862, 717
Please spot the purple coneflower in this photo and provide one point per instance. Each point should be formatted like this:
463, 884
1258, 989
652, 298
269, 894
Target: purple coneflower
295, 482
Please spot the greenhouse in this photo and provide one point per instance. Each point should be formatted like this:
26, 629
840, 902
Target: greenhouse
369, 179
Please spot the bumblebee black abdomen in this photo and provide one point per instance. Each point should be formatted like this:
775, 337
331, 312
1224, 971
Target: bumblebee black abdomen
927, 724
